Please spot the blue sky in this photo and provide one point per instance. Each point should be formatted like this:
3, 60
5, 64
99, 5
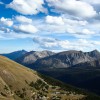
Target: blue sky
49, 25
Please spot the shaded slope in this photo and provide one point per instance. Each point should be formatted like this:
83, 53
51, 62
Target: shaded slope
83, 77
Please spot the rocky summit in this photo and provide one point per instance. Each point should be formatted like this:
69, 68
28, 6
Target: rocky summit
32, 56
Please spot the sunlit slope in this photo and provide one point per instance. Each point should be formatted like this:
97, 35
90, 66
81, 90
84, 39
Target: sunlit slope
14, 77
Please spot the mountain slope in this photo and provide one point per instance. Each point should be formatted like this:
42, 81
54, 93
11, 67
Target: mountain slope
15, 55
20, 83
32, 56
94, 63
15, 76
87, 77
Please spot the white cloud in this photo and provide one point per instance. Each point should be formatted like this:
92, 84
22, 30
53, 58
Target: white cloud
23, 19
92, 1
45, 42
27, 7
86, 31
14, 35
59, 25
66, 26
25, 28
73, 18
54, 20
55, 44
74, 22
7, 22
74, 7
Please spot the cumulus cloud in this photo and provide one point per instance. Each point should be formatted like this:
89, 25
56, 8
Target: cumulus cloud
48, 42
70, 18
92, 1
23, 19
14, 35
25, 28
52, 43
73, 7
54, 20
53, 25
74, 22
6, 21
65, 26
86, 31
27, 7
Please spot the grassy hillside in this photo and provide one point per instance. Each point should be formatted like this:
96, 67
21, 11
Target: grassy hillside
20, 83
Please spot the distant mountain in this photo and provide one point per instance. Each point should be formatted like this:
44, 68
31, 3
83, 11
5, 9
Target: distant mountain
20, 83
31, 57
66, 59
15, 55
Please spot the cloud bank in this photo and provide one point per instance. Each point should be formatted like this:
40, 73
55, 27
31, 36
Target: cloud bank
54, 24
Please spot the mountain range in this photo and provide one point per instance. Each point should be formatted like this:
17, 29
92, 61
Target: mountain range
20, 83
48, 59
81, 69
66, 59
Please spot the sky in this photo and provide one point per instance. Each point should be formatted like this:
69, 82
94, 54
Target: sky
55, 25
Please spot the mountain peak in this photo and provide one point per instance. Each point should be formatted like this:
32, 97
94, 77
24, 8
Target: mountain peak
15, 54
32, 56
95, 51
23, 50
